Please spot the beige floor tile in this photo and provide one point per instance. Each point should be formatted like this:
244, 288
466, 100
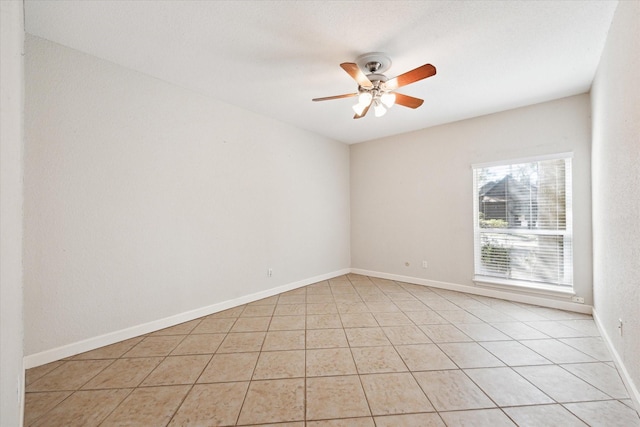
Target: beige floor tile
70, 375
557, 352
229, 367
335, 397
155, 346
555, 329
251, 324
358, 320
397, 393
506, 388
600, 375
541, 415
519, 331
392, 319
273, 401
272, 300
344, 422
407, 334
323, 321
199, 344
401, 296
382, 307
176, 370
341, 286
586, 326
38, 404
452, 391
242, 342
295, 351
292, 299
347, 297
610, 413
112, 351
227, 314
152, 406
38, 372
559, 384
373, 360
123, 373
214, 325
223, 404
320, 299
366, 337
284, 340
459, 316
440, 304
482, 332
410, 305
258, 311
352, 307
292, 424
376, 297
512, 353
287, 323
592, 346
290, 310
330, 362
491, 315
298, 291
326, 338
425, 357
470, 355
410, 420
83, 408
427, 317
280, 364
444, 333
322, 308
477, 418
181, 329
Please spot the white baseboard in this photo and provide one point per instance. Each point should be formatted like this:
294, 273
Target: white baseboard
632, 388
487, 292
72, 349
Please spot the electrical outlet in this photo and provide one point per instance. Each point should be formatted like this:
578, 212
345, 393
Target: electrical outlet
425, 264
577, 299
620, 326
269, 272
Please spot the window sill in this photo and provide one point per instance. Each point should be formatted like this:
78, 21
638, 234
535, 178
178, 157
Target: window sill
535, 288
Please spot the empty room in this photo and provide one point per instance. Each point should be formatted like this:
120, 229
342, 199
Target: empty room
312, 213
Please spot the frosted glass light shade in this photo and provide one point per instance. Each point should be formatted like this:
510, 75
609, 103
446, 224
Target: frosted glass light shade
379, 109
364, 98
388, 99
359, 108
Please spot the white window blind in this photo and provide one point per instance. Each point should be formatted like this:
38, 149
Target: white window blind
523, 221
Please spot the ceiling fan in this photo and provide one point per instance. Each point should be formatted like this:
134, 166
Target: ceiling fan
375, 89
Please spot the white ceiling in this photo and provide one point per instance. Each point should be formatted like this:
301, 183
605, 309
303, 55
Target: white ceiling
273, 57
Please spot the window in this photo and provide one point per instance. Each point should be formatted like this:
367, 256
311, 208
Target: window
523, 223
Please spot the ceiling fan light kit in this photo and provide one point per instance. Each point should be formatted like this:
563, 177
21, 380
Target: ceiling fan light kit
375, 89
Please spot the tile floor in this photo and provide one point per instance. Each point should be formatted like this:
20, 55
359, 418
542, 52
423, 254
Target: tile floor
351, 351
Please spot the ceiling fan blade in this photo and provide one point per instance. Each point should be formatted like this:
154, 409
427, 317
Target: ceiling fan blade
364, 112
354, 71
427, 70
328, 98
408, 101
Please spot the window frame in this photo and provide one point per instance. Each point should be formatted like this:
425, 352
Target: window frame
480, 277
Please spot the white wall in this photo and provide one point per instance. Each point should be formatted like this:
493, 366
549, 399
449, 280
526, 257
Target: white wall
411, 195
144, 200
616, 189
11, 150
